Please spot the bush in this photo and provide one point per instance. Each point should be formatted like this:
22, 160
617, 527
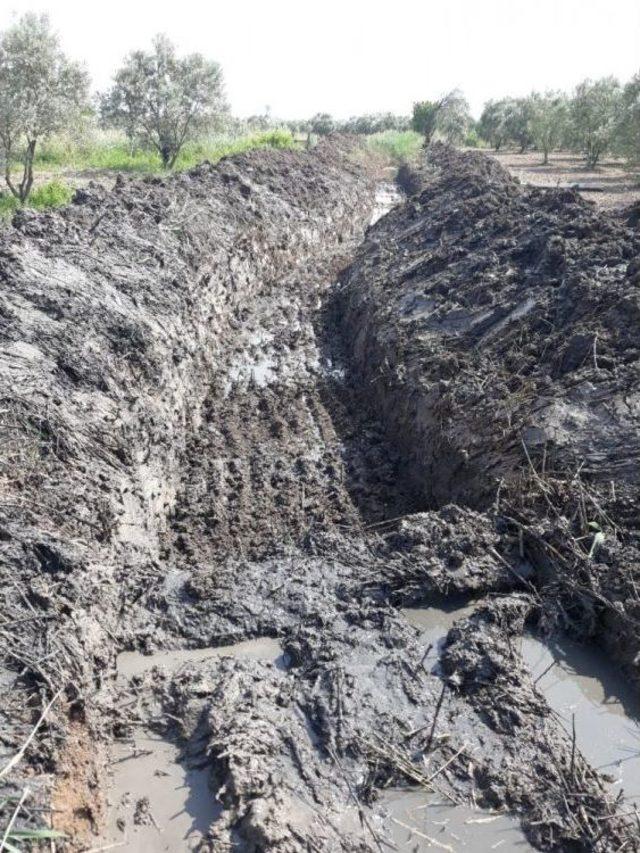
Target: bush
472, 139
398, 146
52, 194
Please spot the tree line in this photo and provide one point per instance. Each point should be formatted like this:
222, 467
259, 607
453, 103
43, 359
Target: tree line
599, 117
160, 100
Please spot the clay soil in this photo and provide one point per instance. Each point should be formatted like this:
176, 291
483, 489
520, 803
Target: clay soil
233, 409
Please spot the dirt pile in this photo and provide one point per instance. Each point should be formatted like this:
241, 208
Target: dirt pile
485, 314
113, 315
497, 328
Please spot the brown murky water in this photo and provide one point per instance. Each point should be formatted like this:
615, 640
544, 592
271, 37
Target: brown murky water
417, 821
582, 682
135, 663
154, 801
577, 680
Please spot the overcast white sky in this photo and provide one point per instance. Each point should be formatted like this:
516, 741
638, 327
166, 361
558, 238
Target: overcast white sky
354, 56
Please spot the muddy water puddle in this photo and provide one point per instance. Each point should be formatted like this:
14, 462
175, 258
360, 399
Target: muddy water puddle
136, 663
578, 681
416, 821
155, 802
434, 623
387, 196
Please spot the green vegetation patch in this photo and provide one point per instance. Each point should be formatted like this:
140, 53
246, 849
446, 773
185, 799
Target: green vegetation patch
54, 193
400, 146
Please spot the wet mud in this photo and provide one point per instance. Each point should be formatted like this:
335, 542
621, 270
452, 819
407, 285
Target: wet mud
276, 606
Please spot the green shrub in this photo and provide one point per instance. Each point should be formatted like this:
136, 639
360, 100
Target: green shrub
472, 140
215, 148
52, 194
396, 145
8, 205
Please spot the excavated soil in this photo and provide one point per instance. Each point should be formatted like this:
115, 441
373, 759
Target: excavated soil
245, 436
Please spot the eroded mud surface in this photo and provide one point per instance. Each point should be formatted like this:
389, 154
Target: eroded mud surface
241, 474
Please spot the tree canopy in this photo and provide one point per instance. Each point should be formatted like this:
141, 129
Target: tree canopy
161, 100
40, 93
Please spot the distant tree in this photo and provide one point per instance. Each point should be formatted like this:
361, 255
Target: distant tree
41, 91
492, 124
454, 118
161, 100
517, 115
595, 117
374, 123
627, 136
449, 116
259, 123
547, 121
322, 124
425, 118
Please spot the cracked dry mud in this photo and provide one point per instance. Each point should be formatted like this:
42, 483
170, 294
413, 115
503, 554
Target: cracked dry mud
245, 438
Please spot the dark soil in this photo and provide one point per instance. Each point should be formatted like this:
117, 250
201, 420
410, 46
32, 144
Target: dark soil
205, 440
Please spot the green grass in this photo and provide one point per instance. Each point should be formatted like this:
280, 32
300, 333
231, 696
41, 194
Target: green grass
113, 152
399, 146
52, 194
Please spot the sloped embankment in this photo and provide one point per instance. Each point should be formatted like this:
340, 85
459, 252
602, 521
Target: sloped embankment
496, 327
112, 316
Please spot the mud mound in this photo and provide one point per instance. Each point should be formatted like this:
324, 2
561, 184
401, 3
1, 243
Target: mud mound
497, 328
114, 313
487, 314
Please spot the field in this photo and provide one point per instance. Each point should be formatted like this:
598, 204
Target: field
611, 185
318, 514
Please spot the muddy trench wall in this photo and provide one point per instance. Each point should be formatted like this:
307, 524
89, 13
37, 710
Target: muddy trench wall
111, 315
494, 327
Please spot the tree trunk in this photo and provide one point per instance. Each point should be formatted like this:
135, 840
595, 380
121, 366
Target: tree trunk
165, 156
15, 192
27, 175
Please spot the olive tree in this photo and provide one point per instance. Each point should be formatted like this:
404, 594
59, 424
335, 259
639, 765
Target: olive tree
547, 121
322, 124
627, 141
492, 124
448, 116
594, 117
162, 100
41, 92
424, 118
454, 117
517, 116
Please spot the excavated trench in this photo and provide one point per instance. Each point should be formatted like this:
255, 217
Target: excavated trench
230, 550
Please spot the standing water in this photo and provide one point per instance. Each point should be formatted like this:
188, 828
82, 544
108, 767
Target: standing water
387, 196
579, 683
154, 800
